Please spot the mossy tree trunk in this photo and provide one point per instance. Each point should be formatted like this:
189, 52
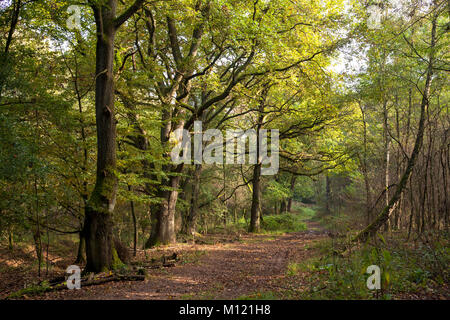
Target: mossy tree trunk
100, 253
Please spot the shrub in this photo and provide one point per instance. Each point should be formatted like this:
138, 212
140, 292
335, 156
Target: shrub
286, 222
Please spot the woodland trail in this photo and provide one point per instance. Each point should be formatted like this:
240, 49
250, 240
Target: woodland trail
257, 263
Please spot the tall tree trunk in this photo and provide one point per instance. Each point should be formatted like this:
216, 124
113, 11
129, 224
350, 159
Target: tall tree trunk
98, 216
387, 143
446, 209
255, 212
398, 211
364, 166
37, 233
98, 221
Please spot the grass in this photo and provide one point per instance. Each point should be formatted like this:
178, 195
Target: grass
31, 290
283, 223
293, 268
35, 289
271, 224
232, 227
306, 213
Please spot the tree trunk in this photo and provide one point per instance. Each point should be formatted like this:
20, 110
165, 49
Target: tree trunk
283, 206
445, 211
17, 5
163, 214
365, 168
328, 195
10, 239
256, 199
154, 226
387, 143
289, 204
398, 212
98, 217
38, 248
166, 232
255, 211
98, 221
189, 223
135, 231
81, 254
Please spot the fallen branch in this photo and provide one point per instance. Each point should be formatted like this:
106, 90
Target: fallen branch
111, 279
85, 282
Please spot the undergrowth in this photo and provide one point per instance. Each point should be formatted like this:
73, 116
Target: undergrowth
286, 222
270, 224
405, 270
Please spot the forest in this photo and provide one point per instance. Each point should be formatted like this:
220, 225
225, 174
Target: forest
224, 149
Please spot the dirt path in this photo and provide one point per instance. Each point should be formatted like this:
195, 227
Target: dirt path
257, 263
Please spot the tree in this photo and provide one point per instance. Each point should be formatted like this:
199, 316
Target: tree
98, 217
385, 214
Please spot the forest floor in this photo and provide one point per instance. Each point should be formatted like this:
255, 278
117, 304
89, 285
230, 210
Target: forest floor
234, 265
224, 267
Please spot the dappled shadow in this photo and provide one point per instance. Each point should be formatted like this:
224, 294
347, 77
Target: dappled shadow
224, 271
